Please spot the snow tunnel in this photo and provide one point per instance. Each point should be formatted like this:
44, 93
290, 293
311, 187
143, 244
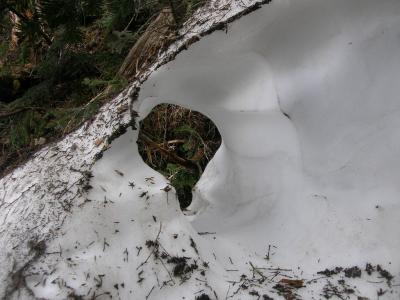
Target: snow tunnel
237, 92
178, 143
305, 96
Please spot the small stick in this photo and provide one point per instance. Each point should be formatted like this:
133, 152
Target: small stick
127, 253
148, 295
105, 244
269, 249
151, 253
227, 293
170, 276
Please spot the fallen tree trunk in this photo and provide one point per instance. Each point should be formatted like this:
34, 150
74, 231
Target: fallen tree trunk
157, 36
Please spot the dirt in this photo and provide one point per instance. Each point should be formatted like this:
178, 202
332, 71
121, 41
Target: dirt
329, 273
287, 288
341, 291
181, 267
385, 274
369, 268
352, 272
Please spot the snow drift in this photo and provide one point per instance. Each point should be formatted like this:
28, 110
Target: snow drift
305, 95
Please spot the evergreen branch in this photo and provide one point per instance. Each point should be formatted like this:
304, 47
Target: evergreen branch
27, 21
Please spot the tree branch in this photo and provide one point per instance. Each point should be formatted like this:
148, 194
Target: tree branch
175, 158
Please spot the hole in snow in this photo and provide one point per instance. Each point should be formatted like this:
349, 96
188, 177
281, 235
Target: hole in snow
178, 143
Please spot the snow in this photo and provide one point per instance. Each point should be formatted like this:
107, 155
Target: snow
305, 95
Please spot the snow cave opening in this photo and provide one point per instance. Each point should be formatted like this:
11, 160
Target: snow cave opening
178, 143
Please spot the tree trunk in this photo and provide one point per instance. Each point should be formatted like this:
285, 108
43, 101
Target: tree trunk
156, 38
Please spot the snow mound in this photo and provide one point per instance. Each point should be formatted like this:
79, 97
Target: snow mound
301, 201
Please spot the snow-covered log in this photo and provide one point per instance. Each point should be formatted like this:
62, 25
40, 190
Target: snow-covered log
300, 202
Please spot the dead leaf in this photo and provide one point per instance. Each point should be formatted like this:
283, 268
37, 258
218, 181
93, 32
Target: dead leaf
296, 283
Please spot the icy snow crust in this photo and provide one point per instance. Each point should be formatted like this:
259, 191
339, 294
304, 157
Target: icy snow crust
305, 95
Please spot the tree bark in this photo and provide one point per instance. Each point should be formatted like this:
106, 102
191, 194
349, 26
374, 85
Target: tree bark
157, 36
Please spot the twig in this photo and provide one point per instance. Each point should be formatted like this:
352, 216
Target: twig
227, 293
148, 295
269, 249
206, 232
177, 159
152, 251
105, 244
127, 254
170, 276
257, 270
